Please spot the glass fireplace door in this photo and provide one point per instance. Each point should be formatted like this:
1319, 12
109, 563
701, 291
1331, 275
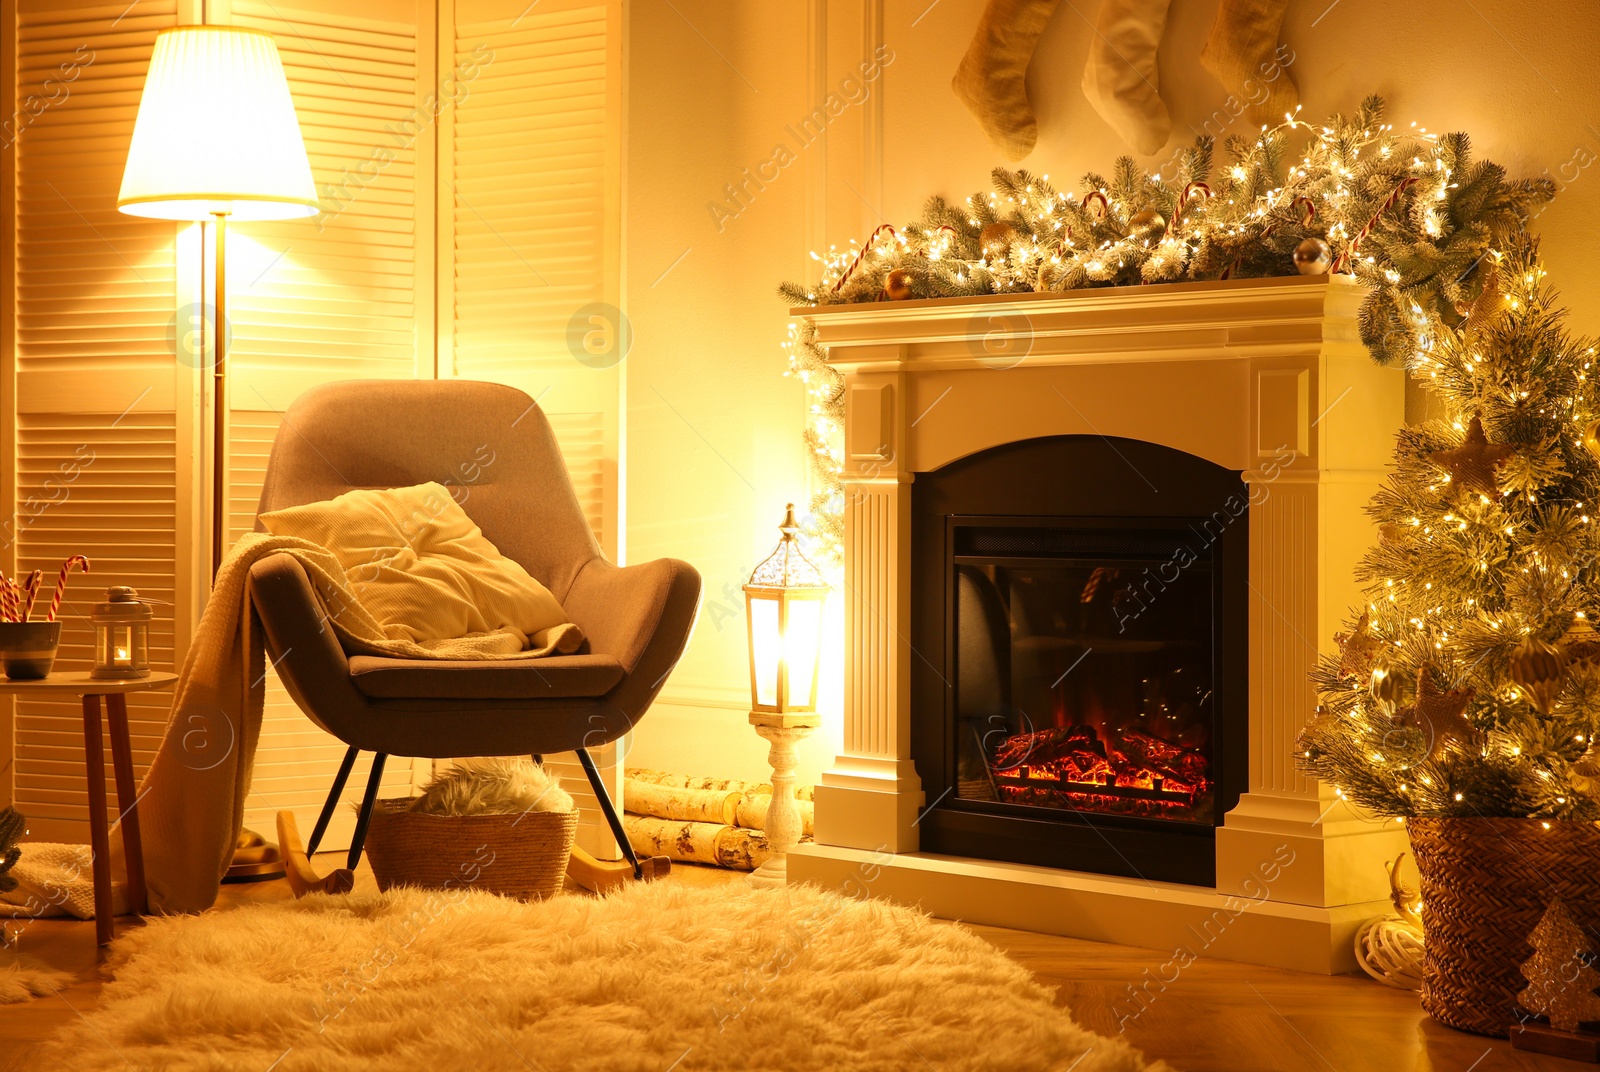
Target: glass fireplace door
1083, 667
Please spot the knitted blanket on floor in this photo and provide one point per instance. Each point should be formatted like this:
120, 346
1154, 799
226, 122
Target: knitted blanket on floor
192, 809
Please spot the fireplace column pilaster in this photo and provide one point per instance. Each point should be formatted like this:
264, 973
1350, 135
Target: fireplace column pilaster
870, 797
1321, 435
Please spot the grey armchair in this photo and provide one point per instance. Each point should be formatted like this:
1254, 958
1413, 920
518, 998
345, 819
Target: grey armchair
493, 448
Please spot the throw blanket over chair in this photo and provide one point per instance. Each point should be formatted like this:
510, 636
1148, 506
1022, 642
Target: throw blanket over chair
492, 447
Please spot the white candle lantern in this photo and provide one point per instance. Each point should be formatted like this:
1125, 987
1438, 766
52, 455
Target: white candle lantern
121, 636
784, 601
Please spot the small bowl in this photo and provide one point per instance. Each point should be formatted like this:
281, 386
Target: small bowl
29, 648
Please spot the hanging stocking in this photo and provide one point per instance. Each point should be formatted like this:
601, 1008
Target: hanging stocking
1121, 80
1242, 53
990, 80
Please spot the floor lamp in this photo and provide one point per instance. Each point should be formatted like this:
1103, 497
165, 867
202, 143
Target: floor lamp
217, 137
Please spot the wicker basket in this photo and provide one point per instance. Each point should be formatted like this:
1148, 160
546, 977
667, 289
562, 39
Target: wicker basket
522, 855
1485, 885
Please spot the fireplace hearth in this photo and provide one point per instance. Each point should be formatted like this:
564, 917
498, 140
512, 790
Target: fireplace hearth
985, 773
1081, 608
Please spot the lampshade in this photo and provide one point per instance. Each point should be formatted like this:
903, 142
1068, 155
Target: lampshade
784, 602
216, 132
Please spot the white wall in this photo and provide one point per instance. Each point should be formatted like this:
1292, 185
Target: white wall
713, 426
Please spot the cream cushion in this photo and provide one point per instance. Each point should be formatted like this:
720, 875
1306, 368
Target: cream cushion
424, 569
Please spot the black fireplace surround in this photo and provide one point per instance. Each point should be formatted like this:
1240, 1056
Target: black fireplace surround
1080, 632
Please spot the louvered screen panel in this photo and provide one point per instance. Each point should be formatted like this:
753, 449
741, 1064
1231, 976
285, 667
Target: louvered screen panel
95, 436
530, 216
532, 206
338, 297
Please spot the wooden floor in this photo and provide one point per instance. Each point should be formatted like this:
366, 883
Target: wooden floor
1216, 1017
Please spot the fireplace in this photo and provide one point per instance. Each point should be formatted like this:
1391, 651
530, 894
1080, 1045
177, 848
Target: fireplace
1012, 465
1082, 606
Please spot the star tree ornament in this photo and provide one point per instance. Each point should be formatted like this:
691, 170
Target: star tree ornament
1473, 464
1439, 713
1561, 976
1357, 647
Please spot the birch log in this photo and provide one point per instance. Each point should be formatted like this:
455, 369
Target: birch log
689, 805
698, 843
751, 809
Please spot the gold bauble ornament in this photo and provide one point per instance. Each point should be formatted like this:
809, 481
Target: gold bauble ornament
1580, 644
1539, 670
1312, 257
1591, 439
1146, 218
898, 285
997, 237
1383, 687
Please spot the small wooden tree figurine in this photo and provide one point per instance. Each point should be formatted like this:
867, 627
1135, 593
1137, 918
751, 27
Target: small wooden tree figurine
1561, 986
11, 831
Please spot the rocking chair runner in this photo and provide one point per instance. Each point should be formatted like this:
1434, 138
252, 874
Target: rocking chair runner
493, 448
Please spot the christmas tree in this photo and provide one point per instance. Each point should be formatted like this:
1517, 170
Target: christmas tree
1469, 685
1561, 976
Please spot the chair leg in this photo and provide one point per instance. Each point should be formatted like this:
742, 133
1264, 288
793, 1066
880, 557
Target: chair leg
367, 800
332, 802
604, 800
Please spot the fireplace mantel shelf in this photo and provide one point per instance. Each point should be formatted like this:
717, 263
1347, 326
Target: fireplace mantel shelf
1265, 377
1201, 321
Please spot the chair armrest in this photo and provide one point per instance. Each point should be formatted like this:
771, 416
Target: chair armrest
641, 615
301, 643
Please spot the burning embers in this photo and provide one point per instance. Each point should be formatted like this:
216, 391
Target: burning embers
1130, 772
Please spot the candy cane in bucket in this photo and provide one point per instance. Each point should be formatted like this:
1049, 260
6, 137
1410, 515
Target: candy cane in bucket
61, 582
31, 591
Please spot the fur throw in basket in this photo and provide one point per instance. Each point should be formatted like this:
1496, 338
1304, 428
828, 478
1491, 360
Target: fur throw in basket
504, 786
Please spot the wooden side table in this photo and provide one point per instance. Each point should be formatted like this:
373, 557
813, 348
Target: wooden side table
115, 693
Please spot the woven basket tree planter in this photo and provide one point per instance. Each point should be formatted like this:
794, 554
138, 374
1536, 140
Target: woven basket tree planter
1485, 884
521, 855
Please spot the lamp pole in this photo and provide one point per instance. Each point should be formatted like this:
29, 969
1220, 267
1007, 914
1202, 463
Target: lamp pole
219, 401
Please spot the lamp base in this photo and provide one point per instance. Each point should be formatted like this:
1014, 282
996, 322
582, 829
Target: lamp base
773, 873
783, 817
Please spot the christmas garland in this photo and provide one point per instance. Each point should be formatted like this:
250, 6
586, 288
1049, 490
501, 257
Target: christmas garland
1409, 213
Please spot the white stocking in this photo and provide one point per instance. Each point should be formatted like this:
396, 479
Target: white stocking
1121, 80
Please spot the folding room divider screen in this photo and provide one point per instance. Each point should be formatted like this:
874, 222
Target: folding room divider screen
467, 155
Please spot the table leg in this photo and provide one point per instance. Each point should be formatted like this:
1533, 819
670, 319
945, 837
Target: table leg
99, 836
127, 800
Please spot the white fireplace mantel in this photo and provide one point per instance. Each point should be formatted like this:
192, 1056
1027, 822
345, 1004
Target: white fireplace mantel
1266, 377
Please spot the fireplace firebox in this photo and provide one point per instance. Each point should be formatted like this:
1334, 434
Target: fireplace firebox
1078, 696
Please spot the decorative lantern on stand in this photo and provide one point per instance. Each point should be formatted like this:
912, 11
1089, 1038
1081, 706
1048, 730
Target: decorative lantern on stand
784, 600
121, 636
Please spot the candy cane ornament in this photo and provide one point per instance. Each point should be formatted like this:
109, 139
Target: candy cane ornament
61, 582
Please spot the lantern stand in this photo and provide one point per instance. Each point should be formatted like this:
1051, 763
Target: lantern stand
783, 605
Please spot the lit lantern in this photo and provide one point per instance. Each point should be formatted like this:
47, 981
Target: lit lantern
121, 636
784, 600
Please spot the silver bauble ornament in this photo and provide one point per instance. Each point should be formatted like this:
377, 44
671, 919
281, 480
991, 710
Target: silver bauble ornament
1312, 257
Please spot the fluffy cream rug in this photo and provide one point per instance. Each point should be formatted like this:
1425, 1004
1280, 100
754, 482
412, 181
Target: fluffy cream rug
655, 978
22, 979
